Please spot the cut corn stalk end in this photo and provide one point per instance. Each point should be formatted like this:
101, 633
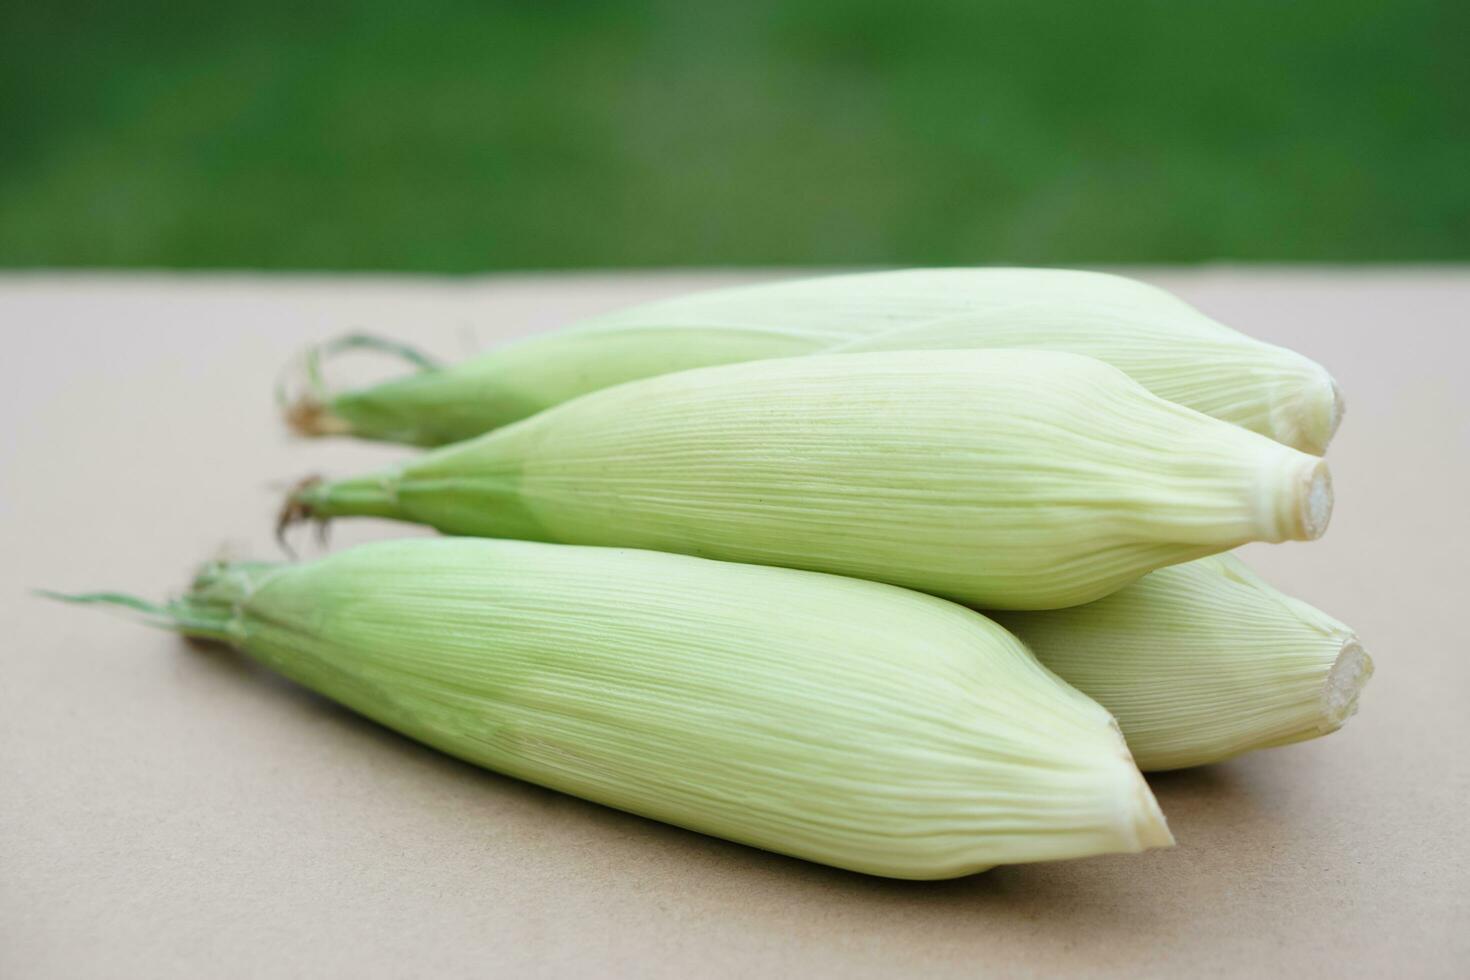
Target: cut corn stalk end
1309, 410
1345, 682
1315, 507
1298, 498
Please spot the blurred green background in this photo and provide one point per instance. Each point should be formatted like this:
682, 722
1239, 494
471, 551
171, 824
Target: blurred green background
457, 136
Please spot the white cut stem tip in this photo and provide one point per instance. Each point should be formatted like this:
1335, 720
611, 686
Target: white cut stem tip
1317, 502
1345, 681
1296, 497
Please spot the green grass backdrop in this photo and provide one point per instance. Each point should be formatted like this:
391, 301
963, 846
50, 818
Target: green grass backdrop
448, 135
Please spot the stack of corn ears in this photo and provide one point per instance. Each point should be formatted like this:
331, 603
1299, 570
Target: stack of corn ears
908, 573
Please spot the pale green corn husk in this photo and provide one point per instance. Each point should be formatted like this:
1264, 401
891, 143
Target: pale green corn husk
1204, 661
1162, 342
1003, 479
845, 722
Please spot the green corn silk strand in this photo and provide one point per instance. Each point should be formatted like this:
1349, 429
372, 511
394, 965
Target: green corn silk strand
845, 722
1003, 479
1204, 661
1163, 343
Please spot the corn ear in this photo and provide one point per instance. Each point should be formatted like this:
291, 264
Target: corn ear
1003, 479
1163, 343
845, 722
1204, 661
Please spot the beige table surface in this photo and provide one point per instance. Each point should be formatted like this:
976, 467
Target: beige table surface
167, 811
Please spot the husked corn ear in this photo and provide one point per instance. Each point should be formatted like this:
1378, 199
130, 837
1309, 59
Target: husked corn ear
1204, 661
844, 722
1003, 479
1162, 342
